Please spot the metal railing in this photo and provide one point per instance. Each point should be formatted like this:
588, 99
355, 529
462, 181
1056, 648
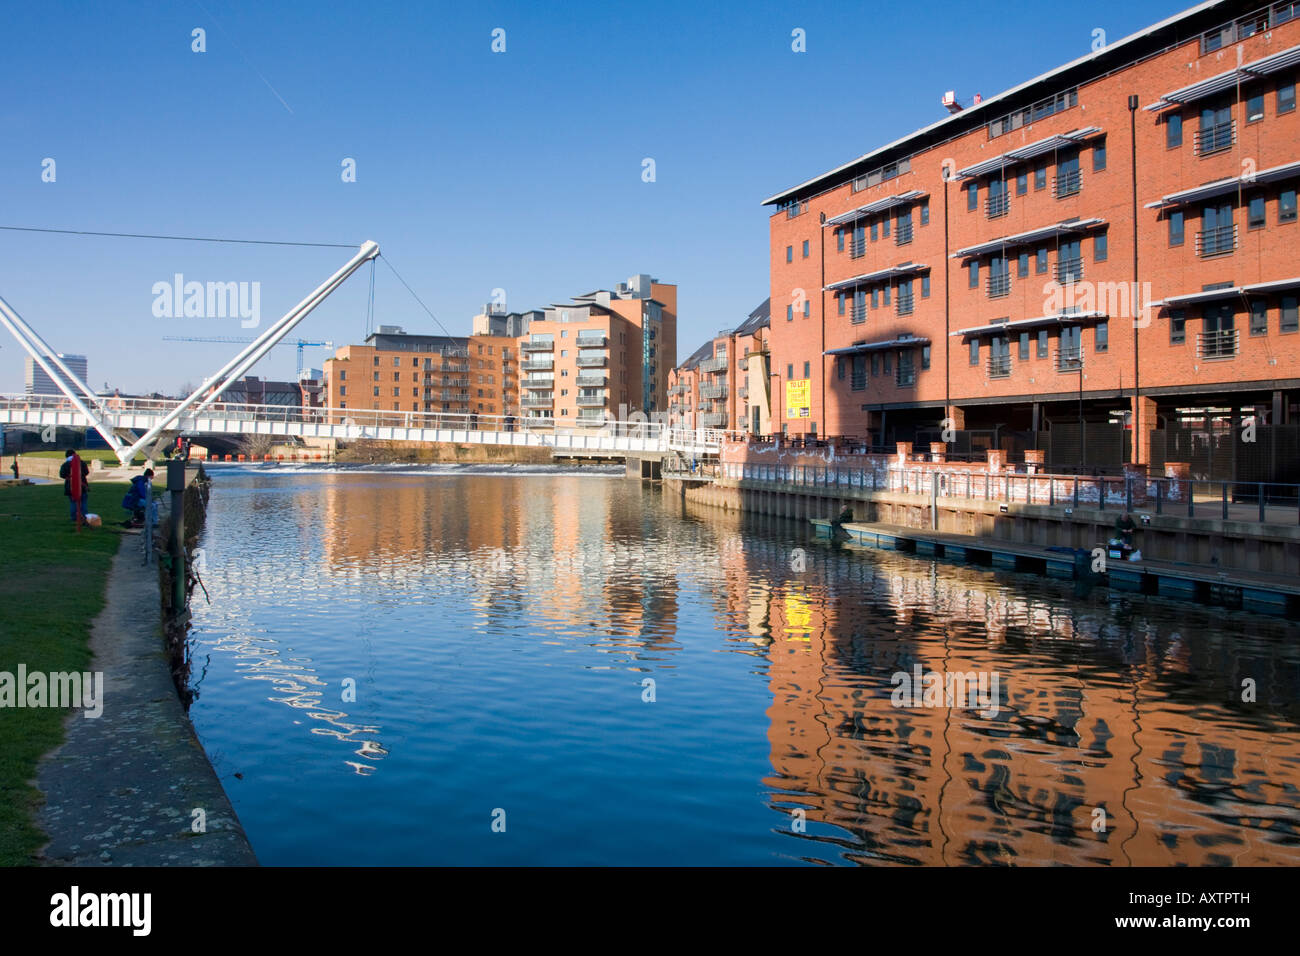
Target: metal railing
857, 246
536, 401
591, 341
588, 398
536, 383
742, 392
591, 361
902, 233
997, 206
857, 314
1069, 270
998, 284
537, 364
1216, 345
597, 380
906, 303
1069, 359
1067, 184
905, 377
999, 366
714, 364
714, 391
531, 346
1217, 241
1215, 139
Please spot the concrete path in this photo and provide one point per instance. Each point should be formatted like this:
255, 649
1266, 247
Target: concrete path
123, 788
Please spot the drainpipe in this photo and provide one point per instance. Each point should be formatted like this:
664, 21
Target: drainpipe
1137, 330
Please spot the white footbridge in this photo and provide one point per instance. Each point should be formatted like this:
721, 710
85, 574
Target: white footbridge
132, 425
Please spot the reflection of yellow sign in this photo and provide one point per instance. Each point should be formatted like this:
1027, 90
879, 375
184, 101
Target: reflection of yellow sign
797, 396
798, 616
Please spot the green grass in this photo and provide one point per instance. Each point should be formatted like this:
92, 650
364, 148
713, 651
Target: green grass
52, 583
87, 454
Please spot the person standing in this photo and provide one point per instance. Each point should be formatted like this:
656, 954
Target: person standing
75, 474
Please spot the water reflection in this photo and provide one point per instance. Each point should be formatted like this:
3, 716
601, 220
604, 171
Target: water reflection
494, 621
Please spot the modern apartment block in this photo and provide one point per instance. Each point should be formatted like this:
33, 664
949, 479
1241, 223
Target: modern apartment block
603, 355
1099, 262
36, 382
726, 383
397, 372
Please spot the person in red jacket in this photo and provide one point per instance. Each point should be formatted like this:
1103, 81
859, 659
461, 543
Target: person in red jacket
75, 474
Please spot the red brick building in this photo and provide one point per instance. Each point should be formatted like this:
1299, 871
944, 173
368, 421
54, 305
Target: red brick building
1099, 262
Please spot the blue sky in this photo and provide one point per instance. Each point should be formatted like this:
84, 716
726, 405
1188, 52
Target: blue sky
475, 170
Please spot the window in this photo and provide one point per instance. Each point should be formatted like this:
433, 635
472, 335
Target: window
925, 287
1286, 206
1040, 263
1176, 228
376, 391
343, 389
839, 240
1258, 317
1099, 247
875, 230
1173, 130
1099, 157
1040, 178
1022, 182
1286, 96
1289, 315
972, 197
859, 381
805, 248
925, 356
974, 267
397, 376
343, 375
875, 363
1042, 343
789, 371
885, 362
1177, 327
1255, 213
1101, 337
807, 308
1255, 107
974, 351
807, 369
875, 298
789, 253
925, 213
884, 228
839, 302
397, 393
1022, 265
886, 290
789, 313
1024, 346
397, 361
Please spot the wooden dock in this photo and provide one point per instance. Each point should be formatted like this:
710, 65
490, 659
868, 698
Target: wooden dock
1258, 591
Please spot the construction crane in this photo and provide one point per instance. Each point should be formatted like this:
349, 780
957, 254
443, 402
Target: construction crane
300, 344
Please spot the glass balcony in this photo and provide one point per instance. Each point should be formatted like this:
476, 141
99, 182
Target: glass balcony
538, 346
591, 361
597, 380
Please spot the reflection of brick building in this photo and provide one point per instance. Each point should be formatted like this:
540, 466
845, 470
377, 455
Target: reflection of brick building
1001, 293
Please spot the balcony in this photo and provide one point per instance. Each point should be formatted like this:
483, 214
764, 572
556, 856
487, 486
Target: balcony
704, 406
451, 367
1069, 359
715, 364
458, 395
903, 233
543, 383
591, 361
589, 417
999, 366
538, 346
906, 302
536, 401
591, 340
1212, 346
678, 389
454, 353
743, 363
713, 391
742, 392
905, 377
1215, 139
1069, 270
997, 206
1068, 184
715, 420
1218, 241
998, 285
857, 246
537, 364
597, 380
589, 399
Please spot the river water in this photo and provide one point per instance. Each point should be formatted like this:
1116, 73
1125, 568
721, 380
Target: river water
497, 666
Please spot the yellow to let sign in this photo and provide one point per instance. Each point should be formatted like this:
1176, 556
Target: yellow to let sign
797, 396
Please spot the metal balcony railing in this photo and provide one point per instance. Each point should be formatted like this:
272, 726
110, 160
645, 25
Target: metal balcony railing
1217, 345
998, 284
743, 363
537, 364
905, 377
903, 233
713, 391
996, 206
742, 392
1215, 139
1069, 359
591, 398
535, 383
588, 417
536, 401
458, 395
1068, 184
714, 420
906, 303
704, 406
447, 368
858, 381
538, 346
1218, 241
999, 366
715, 364
589, 341
1069, 270
857, 246
591, 361
597, 380
858, 314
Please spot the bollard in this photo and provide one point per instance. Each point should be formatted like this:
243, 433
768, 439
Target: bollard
176, 485
1076, 491
1225, 501
1261, 502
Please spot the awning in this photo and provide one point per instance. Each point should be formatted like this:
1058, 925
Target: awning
1021, 325
1027, 238
1221, 186
1028, 151
1211, 295
907, 268
880, 205
878, 346
1228, 80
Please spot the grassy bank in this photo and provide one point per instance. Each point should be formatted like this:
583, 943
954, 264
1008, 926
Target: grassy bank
88, 454
51, 589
